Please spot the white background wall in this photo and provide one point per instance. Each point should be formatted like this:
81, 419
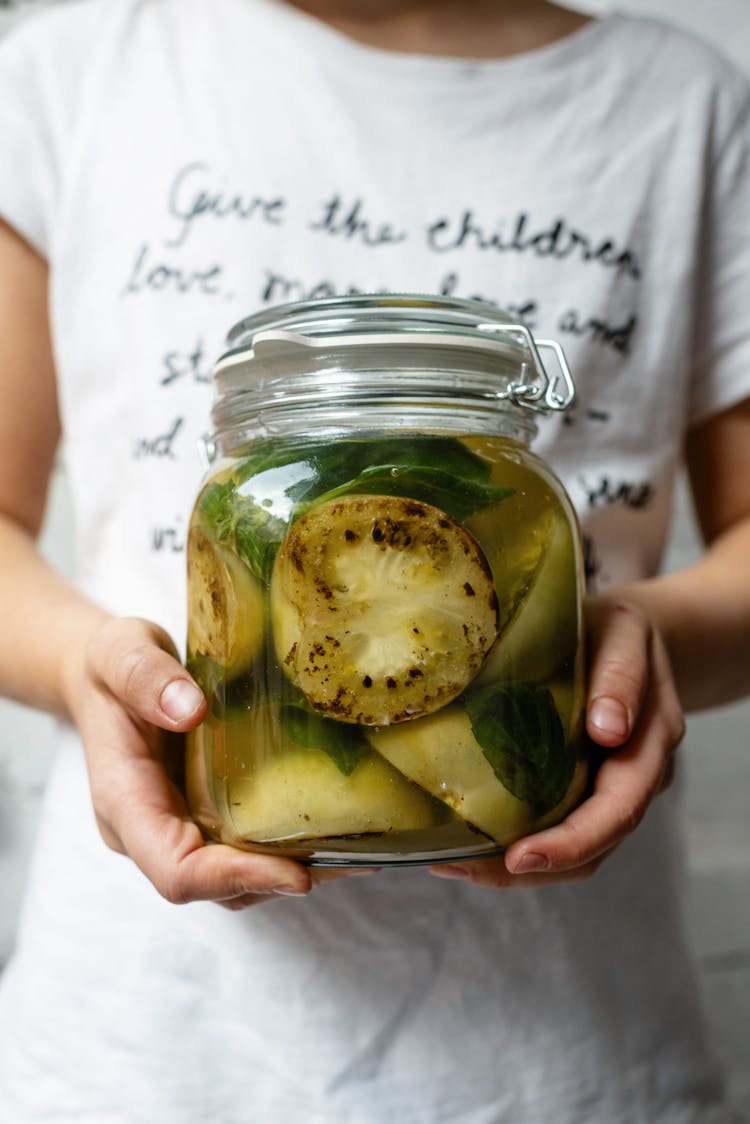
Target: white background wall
716, 755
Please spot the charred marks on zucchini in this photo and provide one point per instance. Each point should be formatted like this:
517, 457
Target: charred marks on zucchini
226, 611
416, 610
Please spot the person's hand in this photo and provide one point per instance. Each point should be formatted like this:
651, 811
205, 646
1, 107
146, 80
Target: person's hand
131, 698
634, 723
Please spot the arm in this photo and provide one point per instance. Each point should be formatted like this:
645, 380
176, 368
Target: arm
655, 647
29, 433
703, 612
118, 680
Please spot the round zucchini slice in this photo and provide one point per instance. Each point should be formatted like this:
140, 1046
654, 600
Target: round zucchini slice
225, 606
383, 608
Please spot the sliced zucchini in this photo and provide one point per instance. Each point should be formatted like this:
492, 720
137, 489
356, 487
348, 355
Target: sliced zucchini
383, 608
225, 606
542, 633
292, 792
441, 754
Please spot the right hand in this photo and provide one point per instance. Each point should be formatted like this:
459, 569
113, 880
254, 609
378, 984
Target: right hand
130, 699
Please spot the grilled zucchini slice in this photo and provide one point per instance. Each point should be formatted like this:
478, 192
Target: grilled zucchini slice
226, 610
383, 608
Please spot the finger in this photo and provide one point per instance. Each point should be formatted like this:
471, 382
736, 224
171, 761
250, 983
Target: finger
321, 876
142, 814
624, 787
621, 796
318, 877
172, 854
183, 868
246, 901
493, 874
618, 672
128, 658
215, 872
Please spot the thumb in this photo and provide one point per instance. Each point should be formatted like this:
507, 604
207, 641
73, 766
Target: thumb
620, 637
136, 662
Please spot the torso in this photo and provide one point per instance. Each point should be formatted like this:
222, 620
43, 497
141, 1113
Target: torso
280, 161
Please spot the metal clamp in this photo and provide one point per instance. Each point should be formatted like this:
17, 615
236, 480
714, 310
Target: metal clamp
540, 393
208, 451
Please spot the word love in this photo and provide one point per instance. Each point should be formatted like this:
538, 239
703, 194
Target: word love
155, 275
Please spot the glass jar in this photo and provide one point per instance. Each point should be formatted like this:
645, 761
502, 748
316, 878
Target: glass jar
384, 588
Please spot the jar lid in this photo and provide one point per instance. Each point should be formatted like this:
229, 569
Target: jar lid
380, 324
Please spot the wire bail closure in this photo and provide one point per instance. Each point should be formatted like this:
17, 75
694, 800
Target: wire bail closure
541, 393
302, 353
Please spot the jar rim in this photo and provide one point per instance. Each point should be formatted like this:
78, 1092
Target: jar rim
371, 312
295, 351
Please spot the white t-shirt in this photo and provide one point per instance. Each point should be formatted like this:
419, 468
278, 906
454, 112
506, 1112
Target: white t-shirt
181, 164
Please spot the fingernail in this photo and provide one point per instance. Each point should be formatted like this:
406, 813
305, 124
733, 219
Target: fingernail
530, 862
609, 716
288, 891
180, 699
449, 870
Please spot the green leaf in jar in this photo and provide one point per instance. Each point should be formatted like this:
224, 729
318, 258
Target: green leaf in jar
345, 745
336, 462
275, 485
208, 673
522, 737
459, 496
248, 528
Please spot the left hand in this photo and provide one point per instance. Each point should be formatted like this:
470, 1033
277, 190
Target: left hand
635, 722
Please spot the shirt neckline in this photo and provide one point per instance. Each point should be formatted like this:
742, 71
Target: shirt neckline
342, 49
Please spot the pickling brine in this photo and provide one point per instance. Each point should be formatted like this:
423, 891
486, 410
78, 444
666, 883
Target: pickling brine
387, 628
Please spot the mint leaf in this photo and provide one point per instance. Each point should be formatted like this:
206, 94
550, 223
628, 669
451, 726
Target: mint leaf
345, 745
522, 737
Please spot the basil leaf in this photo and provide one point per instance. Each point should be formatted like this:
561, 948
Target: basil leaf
216, 508
226, 698
274, 485
256, 541
326, 466
208, 674
522, 737
345, 745
459, 497
249, 528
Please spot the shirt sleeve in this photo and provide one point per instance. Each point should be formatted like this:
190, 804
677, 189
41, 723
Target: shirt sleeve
721, 369
28, 174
